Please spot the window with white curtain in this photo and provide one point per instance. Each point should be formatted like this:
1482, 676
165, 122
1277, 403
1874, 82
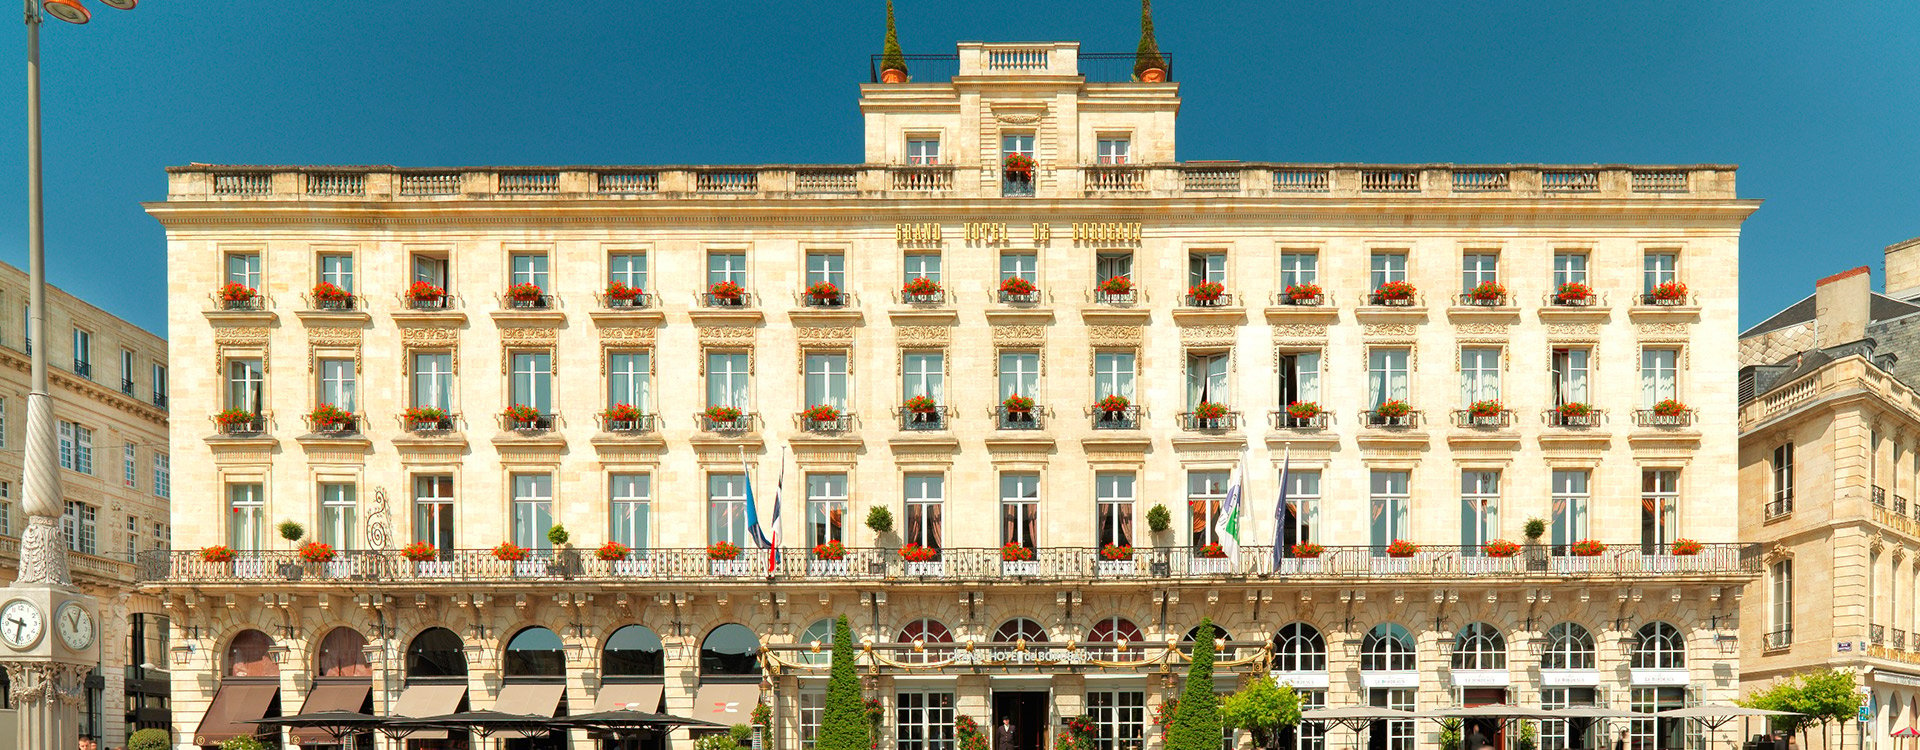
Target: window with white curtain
1113, 375
246, 516
1780, 607
922, 266
1206, 493
431, 269
727, 519
532, 510
1299, 377
1659, 510
337, 269
1113, 508
532, 381
1019, 374
1299, 267
433, 510
1658, 267
336, 383
627, 268
727, 379
629, 497
1302, 512
1111, 264
246, 381
1479, 509
1119, 718
1019, 509
1388, 514
1479, 375
923, 150
244, 269
339, 507
826, 508
1114, 149
1570, 500
728, 266
923, 721
924, 374
162, 475
1384, 267
1571, 374
433, 380
1782, 479
828, 268
1569, 268
630, 380
826, 379
530, 268
1207, 378
1207, 266
1659, 376
1020, 265
925, 494
1477, 269
1387, 375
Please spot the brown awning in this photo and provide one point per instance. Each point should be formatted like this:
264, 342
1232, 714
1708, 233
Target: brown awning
332, 695
420, 701
235, 704
528, 699
629, 696
726, 703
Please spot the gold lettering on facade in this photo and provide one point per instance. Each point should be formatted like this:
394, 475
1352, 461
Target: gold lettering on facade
916, 232
986, 232
1042, 232
1106, 231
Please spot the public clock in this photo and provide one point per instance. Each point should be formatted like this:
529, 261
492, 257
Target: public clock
21, 624
75, 626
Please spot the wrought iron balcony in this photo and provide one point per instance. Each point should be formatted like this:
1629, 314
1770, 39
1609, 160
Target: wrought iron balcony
348, 303
1879, 496
429, 304
83, 368
126, 386
1877, 634
1373, 418
537, 302
711, 300
836, 301
1282, 298
160, 399
1559, 418
917, 421
1500, 419
742, 423
541, 423
638, 301
1651, 418
250, 427
1284, 420
1224, 299
1469, 300
1193, 422
1779, 639
1024, 419
935, 297
1779, 507
841, 422
638, 424
1123, 419
431, 425
1120, 299
348, 426
1649, 300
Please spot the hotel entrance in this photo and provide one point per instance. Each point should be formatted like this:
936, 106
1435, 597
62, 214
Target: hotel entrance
1025, 713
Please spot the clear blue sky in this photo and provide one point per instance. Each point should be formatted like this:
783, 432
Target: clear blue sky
1820, 105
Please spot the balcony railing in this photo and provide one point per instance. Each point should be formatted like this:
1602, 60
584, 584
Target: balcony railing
1877, 634
1284, 421
1469, 300
885, 564
348, 426
243, 428
709, 299
841, 300
540, 302
639, 301
338, 304
1777, 508
1129, 297
638, 425
1377, 419
1012, 298
843, 422
1011, 187
1375, 299
1281, 298
1501, 419
1555, 300
1651, 418
126, 386
1779, 639
541, 423
432, 304
1124, 419
917, 421
1557, 418
938, 297
1648, 300
734, 426
429, 426
1026, 419
83, 369
1899, 505
1224, 300
160, 399
1899, 639
1192, 422
255, 303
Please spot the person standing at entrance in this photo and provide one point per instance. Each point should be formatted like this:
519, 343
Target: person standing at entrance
1006, 735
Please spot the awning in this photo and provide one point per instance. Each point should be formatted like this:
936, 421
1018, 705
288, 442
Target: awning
726, 703
528, 699
429, 700
629, 696
329, 695
235, 704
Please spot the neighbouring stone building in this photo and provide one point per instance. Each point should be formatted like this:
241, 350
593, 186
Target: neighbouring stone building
1829, 434
109, 388
1588, 311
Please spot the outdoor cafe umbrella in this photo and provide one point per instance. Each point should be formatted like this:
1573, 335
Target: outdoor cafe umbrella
626, 723
483, 723
1500, 712
1356, 718
336, 725
1713, 716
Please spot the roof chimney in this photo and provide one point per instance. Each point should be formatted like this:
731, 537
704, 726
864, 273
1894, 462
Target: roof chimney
1903, 270
1841, 305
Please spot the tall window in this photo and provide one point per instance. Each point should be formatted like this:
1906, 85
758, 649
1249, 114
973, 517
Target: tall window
1299, 377
1114, 149
433, 510
133, 539
813, 708
923, 721
337, 269
1119, 718
826, 508
1019, 509
433, 380
827, 379
1207, 266
339, 504
924, 496
922, 266
727, 509
828, 268
1113, 508
533, 380
627, 268
731, 266
1109, 265
628, 498
126, 371
1658, 268
629, 380
1383, 267
1782, 479
1299, 267
80, 526
1659, 510
1206, 492
336, 383
1388, 514
1780, 604
159, 384
727, 379
162, 475
530, 268
1477, 269
1479, 375
83, 352
431, 269
1570, 376
129, 470
3, 422
76, 447
1569, 268
1021, 266
923, 149
1570, 499
1302, 512
246, 379
1016, 143
1113, 374
244, 269
1207, 378
246, 517
924, 374
532, 510
1387, 375
1659, 376
1019, 374
1569, 646
1479, 510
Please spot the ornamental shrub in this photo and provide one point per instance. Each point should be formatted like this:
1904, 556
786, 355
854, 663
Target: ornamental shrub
1196, 725
292, 531
879, 519
1159, 518
843, 722
558, 535
150, 739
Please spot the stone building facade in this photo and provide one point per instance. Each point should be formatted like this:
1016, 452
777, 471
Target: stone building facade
1058, 591
1828, 478
109, 381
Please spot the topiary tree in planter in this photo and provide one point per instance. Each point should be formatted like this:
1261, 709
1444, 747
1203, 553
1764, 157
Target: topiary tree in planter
1147, 57
879, 519
150, 739
292, 531
1159, 519
843, 722
890, 56
1196, 723
1536, 554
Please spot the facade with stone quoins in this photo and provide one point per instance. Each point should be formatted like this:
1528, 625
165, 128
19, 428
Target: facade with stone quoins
1039, 320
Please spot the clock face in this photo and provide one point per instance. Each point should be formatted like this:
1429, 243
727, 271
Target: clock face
21, 624
75, 626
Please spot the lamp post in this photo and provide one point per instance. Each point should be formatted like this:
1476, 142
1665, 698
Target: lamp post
48, 670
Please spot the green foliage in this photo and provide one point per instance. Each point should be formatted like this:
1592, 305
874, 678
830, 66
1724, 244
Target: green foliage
1148, 55
1450, 734
741, 734
843, 722
1821, 697
558, 535
716, 741
1196, 725
890, 56
150, 739
1528, 738
1159, 518
1262, 708
1536, 528
242, 743
292, 531
880, 519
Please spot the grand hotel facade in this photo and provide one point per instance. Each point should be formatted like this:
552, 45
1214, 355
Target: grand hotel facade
1641, 625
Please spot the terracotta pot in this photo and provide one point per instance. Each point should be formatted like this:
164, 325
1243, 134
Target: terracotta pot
1153, 75
893, 76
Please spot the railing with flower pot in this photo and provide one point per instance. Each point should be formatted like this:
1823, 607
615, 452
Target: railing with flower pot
239, 298
1665, 414
915, 418
328, 419
424, 296
1483, 414
827, 296
1572, 294
725, 420
1302, 295
327, 297
240, 423
725, 294
1574, 415
1484, 294
1301, 415
437, 566
1393, 414
1115, 290
825, 419
1669, 294
922, 291
425, 419
1207, 294
1208, 416
619, 296
1015, 290
1018, 561
1018, 413
1114, 413
521, 418
1017, 176
527, 297
627, 419
1394, 294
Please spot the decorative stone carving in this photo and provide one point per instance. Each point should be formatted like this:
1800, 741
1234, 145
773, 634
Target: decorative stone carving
527, 337
1114, 335
429, 338
35, 682
1020, 335
1315, 331
726, 336
43, 556
813, 336
248, 336
1206, 335
1662, 331
1388, 331
1020, 118
1573, 331
1481, 330
333, 336
627, 336
924, 336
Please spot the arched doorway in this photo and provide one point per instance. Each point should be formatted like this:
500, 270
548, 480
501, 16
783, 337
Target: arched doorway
534, 683
343, 681
633, 670
729, 676
436, 685
249, 690
1300, 660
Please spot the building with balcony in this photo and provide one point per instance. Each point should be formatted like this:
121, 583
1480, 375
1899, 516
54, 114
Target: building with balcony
1075, 357
108, 379
1829, 434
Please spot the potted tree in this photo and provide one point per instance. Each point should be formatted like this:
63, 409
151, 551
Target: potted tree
1536, 552
893, 64
566, 559
880, 522
293, 532
1148, 65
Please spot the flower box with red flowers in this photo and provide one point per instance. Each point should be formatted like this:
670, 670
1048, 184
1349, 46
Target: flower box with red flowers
1303, 410
420, 552
425, 292
1574, 410
420, 418
1688, 547
623, 414
1487, 293
524, 293
1402, 548
235, 420
725, 415
875, 710
329, 296
218, 553
330, 418
1303, 294
1485, 410
1017, 289
1113, 404
1212, 551
237, 292
1116, 552
1018, 404
1115, 286
1669, 293
510, 552
1307, 549
1016, 553
1018, 165
522, 417
1206, 292
1209, 410
726, 292
1393, 409
833, 550
824, 293
821, 414
1588, 548
1399, 293
612, 551
921, 289
620, 294
1669, 408
1573, 294
317, 552
723, 551
1500, 548
915, 553
921, 405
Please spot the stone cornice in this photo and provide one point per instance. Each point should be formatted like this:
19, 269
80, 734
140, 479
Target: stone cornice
89, 389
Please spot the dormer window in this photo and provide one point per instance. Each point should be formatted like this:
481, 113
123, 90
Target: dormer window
923, 150
1115, 149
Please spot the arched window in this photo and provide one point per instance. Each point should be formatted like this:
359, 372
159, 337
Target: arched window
1111, 631
343, 654
536, 652
1387, 648
731, 650
247, 656
1569, 646
821, 632
1020, 629
1479, 646
926, 632
633, 651
1298, 647
1220, 639
1660, 646
436, 652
